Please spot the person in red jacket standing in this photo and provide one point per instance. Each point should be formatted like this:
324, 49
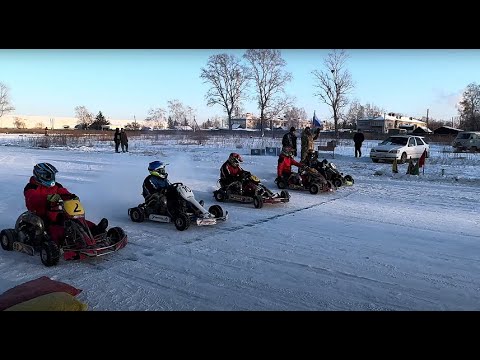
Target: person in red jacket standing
284, 167
41, 191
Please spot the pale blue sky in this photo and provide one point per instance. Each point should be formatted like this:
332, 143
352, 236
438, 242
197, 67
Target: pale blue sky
123, 83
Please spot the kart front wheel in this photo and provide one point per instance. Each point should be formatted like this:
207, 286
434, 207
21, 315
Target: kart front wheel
49, 253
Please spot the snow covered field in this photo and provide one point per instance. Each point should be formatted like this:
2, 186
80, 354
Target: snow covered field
390, 242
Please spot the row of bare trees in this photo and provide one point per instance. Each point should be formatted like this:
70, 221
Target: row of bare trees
178, 114
265, 70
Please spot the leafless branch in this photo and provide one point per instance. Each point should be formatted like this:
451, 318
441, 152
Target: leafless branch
5, 106
228, 79
334, 83
268, 74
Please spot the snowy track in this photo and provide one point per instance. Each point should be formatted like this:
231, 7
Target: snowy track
387, 243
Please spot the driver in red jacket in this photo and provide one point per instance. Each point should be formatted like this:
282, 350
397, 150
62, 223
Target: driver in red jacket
284, 167
41, 191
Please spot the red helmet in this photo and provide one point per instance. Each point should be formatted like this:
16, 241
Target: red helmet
234, 159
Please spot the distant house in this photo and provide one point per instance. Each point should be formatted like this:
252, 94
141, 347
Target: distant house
422, 130
447, 130
183, 127
386, 122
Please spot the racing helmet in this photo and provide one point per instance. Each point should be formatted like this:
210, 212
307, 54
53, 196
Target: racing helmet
157, 168
44, 173
235, 159
287, 151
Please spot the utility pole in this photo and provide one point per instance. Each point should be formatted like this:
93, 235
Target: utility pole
427, 118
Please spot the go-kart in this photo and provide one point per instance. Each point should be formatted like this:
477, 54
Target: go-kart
311, 180
177, 205
31, 236
250, 191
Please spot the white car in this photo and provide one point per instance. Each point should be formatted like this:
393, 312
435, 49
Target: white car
400, 147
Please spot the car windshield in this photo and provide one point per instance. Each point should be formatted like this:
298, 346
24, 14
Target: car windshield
463, 136
395, 141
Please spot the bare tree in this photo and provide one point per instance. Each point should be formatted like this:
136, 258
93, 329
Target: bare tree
176, 111
294, 115
157, 118
5, 106
469, 107
19, 123
228, 79
85, 117
335, 83
358, 111
269, 77
39, 125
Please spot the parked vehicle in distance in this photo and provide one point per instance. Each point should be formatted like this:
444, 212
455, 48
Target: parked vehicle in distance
467, 141
400, 147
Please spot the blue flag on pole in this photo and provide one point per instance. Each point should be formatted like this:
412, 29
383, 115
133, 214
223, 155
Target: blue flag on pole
316, 122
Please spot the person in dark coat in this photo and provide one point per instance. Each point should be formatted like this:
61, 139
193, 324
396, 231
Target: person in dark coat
117, 139
308, 137
290, 140
124, 140
358, 139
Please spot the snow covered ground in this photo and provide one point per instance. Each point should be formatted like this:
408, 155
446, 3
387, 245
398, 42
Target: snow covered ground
390, 242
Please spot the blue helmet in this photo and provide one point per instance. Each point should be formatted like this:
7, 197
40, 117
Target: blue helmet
45, 174
157, 168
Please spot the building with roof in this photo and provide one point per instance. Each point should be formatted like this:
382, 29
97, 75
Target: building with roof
387, 122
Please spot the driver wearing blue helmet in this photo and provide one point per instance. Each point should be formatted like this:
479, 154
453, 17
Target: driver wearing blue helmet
155, 184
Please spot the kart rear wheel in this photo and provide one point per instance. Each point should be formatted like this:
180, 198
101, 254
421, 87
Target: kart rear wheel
115, 235
137, 215
285, 194
257, 201
49, 253
281, 183
337, 182
219, 195
182, 222
313, 189
216, 210
7, 238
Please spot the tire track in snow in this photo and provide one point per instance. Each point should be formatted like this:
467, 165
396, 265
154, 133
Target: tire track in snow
267, 219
